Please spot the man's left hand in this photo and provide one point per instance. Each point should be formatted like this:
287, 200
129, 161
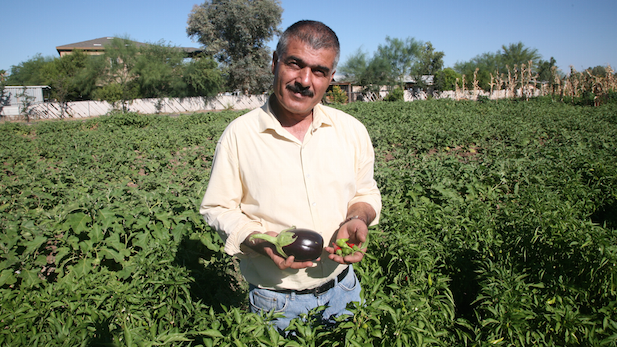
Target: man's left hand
356, 232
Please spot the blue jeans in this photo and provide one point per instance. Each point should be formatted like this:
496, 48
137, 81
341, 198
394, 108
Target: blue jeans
292, 304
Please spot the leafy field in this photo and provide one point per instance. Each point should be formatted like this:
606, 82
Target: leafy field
499, 228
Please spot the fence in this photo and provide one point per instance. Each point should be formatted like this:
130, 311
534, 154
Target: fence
84, 109
474, 94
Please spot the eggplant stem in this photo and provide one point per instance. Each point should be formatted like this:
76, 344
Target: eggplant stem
283, 239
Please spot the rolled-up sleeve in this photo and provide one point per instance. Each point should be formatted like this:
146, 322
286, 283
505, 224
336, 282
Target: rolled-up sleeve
221, 203
366, 186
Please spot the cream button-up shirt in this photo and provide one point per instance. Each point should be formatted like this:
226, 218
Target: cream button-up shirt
265, 179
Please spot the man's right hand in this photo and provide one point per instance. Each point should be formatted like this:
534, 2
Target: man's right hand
266, 248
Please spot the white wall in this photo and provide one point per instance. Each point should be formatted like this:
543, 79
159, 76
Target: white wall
84, 109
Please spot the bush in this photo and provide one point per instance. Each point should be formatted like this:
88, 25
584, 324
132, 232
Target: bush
483, 99
396, 94
336, 95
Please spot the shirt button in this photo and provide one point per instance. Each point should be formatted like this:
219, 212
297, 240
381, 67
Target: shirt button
314, 204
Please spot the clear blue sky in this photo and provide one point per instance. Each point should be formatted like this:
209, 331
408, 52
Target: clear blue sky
580, 33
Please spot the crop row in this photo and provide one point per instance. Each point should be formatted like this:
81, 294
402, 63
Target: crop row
498, 228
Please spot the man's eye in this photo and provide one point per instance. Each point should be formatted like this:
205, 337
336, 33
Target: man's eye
319, 73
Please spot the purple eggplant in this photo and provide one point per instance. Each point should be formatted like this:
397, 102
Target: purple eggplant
303, 244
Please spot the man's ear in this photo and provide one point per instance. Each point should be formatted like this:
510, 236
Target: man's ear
332, 76
275, 59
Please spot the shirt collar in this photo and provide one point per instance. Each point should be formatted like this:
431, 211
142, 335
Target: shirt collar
267, 120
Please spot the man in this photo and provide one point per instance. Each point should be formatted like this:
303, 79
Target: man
295, 162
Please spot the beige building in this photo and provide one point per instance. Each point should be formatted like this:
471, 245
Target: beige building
97, 47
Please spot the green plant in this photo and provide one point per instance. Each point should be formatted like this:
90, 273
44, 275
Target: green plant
498, 228
396, 94
336, 95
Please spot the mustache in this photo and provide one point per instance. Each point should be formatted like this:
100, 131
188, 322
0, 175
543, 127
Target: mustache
298, 88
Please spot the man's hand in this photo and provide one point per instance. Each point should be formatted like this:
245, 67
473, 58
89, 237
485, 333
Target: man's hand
356, 232
266, 248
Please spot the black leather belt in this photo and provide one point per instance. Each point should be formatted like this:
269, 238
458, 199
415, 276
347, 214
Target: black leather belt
317, 290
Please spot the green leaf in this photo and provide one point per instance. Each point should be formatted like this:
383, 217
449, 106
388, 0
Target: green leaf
127, 271
166, 339
114, 241
61, 253
30, 277
78, 222
106, 218
111, 254
35, 244
7, 277
210, 332
83, 267
95, 234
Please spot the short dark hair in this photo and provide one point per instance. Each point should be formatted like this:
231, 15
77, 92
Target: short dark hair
316, 34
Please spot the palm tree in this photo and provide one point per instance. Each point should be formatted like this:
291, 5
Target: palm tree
517, 53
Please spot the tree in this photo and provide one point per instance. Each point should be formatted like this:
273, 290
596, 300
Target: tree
548, 74
202, 77
517, 54
158, 71
378, 73
486, 63
63, 75
370, 73
29, 72
446, 79
598, 71
119, 78
545, 70
235, 33
3, 99
354, 66
429, 62
336, 95
402, 55
68, 76
391, 64
497, 63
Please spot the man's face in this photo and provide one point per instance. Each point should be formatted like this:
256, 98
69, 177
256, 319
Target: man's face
301, 77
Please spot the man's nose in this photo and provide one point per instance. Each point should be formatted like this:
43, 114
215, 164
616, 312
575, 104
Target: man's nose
305, 76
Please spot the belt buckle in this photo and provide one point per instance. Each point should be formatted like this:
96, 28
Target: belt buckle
317, 291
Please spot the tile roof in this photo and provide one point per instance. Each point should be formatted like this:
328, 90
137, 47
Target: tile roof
98, 45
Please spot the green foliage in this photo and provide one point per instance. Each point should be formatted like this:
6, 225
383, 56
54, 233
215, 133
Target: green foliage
390, 65
598, 71
29, 72
354, 66
124, 73
446, 79
487, 64
396, 94
547, 70
117, 94
203, 77
69, 79
429, 62
158, 70
498, 228
337, 95
119, 76
518, 54
400, 55
497, 63
235, 33
3, 98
